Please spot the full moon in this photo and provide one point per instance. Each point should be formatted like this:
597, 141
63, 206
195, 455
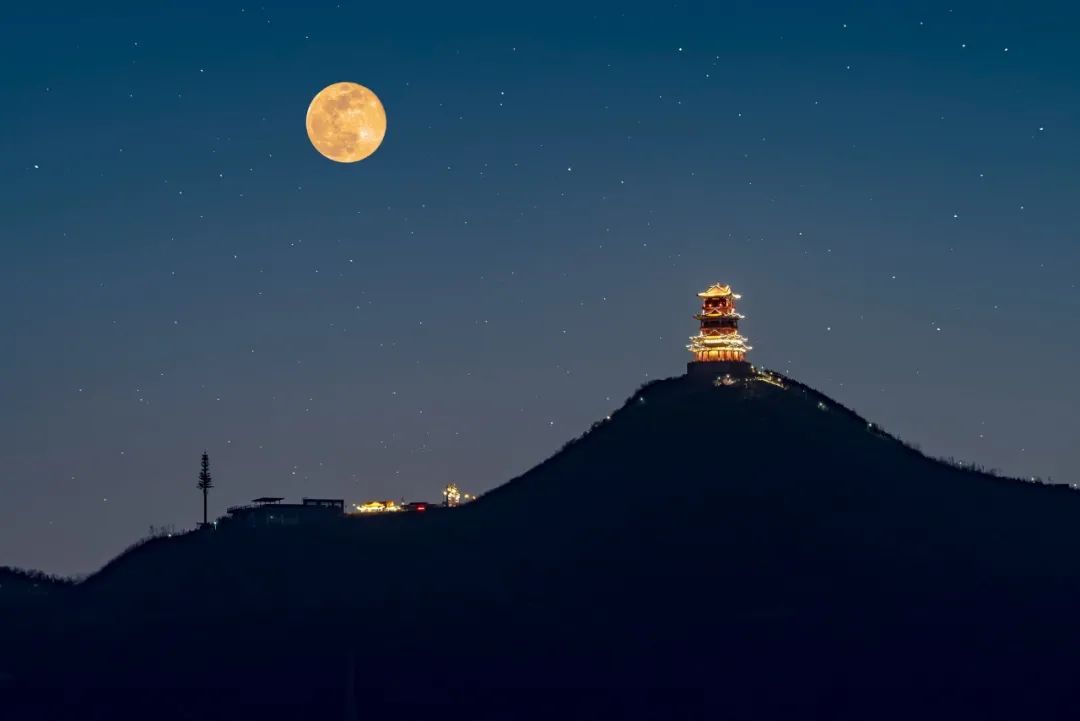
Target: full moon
346, 122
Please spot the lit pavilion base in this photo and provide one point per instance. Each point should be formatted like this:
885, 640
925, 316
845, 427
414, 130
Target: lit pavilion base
711, 370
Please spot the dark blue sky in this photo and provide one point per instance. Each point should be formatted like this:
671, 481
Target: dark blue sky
892, 188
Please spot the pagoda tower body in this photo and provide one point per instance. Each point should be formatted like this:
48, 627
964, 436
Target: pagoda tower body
718, 339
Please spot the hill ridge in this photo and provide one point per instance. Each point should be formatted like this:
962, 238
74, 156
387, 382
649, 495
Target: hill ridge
801, 544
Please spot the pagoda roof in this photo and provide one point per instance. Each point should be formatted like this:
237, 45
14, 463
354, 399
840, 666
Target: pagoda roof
717, 290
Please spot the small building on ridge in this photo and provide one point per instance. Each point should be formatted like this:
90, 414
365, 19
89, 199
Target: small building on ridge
269, 511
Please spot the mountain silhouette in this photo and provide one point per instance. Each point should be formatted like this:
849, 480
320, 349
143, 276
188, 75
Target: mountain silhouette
742, 550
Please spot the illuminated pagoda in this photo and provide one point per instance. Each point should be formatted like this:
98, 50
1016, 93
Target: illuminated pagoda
718, 340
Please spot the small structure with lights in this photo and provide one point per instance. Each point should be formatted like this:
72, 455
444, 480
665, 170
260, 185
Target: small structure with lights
718, 347
375, 507
452, 496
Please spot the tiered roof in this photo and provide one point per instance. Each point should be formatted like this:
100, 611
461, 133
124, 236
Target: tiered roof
718, 290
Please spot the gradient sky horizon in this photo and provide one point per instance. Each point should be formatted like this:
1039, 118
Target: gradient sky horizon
892, 188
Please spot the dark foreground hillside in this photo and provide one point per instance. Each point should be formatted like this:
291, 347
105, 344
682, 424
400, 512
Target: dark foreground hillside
711, 551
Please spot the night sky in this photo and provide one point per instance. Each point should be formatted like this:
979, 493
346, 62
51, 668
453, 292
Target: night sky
891, 187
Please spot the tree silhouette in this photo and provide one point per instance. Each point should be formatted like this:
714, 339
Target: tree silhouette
205, 483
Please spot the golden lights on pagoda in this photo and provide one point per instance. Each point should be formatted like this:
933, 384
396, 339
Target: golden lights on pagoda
718, 337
